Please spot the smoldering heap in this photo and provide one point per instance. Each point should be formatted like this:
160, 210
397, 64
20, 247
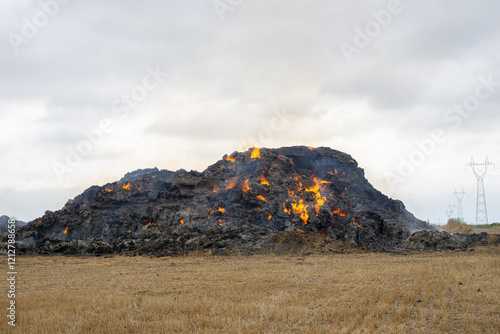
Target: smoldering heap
241, 202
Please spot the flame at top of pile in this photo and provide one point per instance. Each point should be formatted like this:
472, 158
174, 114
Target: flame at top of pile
255, 153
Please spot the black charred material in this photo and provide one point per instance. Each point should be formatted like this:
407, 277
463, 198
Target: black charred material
317, 190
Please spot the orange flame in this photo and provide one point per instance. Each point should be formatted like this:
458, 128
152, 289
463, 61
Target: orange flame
320, 200
222, 210
309, 147
263, 180
255, 153
108, 190
270, 216
65, 231
316, 186
304, 216
126, 186
228, 158
285, 209
302, 210
231, 183
182, 221
262, 198
149, 223
246, 187
216, 189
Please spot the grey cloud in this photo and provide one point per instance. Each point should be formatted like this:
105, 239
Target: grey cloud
228, 76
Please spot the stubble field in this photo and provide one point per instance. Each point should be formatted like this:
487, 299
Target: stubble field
451, 292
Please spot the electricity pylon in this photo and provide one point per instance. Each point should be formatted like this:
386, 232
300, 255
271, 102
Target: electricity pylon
459, 196
449, 213
480, 172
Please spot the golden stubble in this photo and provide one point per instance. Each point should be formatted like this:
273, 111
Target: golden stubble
456, 292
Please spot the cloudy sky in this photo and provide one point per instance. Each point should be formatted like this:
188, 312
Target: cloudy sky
90, 90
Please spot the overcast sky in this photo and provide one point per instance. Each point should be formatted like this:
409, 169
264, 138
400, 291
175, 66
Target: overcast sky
411, 89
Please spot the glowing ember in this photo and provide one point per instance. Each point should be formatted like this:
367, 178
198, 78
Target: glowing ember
108, 190
126, 186
222, 210
232, 183
149, 223
65, 231
337, 212
246, 187
263, 180
255, 153
182, 221
270, 216
216, 189
228, 158
262, 198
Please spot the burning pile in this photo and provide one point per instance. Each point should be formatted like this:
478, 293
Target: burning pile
319, 190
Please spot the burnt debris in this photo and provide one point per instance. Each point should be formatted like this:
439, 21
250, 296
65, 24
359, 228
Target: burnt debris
264, 191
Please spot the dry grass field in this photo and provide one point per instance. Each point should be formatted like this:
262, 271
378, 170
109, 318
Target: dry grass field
457, 226
449, 292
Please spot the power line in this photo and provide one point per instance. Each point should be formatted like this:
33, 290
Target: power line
459, 196
480, 172
450, 211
